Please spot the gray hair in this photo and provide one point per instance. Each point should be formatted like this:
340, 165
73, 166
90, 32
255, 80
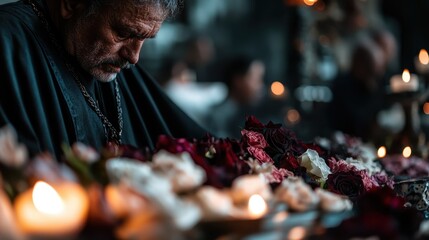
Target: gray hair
171, 7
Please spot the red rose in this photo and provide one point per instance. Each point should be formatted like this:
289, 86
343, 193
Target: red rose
173, 145
224, 155
279, 139
348, 183
260, 155
129, 151
253, 124
368, 182
289, 162
254, 139
277, 175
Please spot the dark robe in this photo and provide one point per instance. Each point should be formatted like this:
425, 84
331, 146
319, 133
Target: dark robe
42, 101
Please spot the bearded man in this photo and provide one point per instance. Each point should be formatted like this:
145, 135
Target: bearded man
67, 74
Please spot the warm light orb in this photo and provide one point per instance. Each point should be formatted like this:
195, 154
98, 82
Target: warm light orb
46, 199
424, 57
310, 2
257, 206
297, 233
293, 116
426, 108
406, 76
407, 152
381, 153
277, 88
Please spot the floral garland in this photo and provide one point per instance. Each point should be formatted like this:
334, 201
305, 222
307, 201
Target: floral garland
189, 181
342, 167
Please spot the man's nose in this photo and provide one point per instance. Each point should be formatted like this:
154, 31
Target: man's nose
131, 51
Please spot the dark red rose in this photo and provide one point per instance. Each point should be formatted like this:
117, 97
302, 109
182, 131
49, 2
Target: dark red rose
380, 213
368, 225
253, 124
279, 139
369, 183
225, 156
260, 155
383, 180
348, 183
289, 162
303, 147
174, 145
253, 139
128, 151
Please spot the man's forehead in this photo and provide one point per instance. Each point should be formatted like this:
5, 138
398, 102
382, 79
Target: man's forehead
146, 11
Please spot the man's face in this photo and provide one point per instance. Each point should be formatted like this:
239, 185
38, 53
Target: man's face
110, 39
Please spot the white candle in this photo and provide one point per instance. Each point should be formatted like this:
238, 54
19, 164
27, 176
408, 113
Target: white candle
404, 83
52, 212
421, 62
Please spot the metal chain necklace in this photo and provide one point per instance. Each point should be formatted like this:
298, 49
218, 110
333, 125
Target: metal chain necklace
110, 131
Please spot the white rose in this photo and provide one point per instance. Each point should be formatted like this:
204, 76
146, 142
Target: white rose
214, 203
331, 202
297, 194
314, 164
157, 188
371, 167
12, 153
85, 153
180, 169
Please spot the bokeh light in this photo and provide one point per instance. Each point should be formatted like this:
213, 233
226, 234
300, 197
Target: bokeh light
277, 88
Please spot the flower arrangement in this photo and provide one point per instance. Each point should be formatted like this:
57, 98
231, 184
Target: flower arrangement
134, 193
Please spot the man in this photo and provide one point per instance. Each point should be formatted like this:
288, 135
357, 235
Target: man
67, 74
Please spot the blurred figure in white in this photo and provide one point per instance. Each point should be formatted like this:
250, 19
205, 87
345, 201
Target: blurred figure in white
244, 77
194, 98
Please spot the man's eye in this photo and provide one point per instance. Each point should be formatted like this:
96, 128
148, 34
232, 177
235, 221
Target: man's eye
122, 35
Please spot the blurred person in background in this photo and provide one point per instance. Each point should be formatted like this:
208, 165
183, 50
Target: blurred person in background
388, 44
244, 77
359, 95
194, 98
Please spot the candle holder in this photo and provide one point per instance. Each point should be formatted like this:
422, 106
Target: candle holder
411, 134
415, 191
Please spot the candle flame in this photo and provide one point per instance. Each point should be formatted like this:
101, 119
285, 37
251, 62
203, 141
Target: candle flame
310, 2
46, 199
426, 108
381, 153
407, 152
406, 76
257, 205
424, 57
277, 88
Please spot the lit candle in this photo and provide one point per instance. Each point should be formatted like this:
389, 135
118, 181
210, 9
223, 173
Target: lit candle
407, 152
8, 228
124, 202
422, 62
381, 152
404, 83
257, 206
46, 211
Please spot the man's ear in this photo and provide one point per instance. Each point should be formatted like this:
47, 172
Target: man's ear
71, 7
